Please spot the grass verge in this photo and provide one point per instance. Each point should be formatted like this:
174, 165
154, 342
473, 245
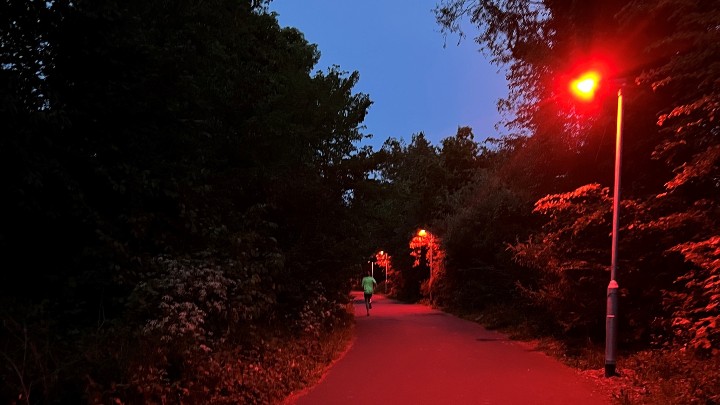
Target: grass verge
661, 376
304, 361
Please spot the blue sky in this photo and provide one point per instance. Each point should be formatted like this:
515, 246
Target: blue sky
416, 83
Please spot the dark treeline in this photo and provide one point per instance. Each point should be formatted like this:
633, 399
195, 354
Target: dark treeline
181, 192
176, 194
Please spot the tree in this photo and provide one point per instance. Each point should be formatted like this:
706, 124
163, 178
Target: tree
665, 52
459, 156
172, 170
486, 214
686, 48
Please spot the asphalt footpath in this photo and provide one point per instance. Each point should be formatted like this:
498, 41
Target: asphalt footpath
412, 354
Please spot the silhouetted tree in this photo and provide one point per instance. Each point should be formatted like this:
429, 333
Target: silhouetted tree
171, 172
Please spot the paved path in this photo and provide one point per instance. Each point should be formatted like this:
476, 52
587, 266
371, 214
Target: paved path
411, 354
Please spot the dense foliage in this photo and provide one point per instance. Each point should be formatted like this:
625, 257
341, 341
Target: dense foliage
665, 56
170, 172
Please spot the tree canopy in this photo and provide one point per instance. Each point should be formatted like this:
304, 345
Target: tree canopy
664, 54
171, 171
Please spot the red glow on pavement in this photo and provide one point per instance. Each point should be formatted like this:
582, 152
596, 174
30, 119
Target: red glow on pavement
429, 357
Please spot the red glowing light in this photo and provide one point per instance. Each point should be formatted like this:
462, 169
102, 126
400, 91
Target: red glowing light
584, 87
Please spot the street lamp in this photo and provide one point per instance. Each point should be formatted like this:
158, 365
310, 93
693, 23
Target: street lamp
584, 88
385, 263
429, 255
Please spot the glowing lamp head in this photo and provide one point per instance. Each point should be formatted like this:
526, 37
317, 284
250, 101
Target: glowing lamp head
584, 87
422, 232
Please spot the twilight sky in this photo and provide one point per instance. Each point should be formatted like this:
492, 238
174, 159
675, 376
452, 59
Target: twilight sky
416, 84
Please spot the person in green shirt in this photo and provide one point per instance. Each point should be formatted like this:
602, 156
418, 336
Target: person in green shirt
368, 284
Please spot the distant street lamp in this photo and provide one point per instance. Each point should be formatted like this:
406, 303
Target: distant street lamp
422, 234
584, 88
385, 262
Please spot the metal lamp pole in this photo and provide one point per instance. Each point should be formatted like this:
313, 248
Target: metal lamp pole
386, 271
612, 290
430, 261
584, 88
428, 256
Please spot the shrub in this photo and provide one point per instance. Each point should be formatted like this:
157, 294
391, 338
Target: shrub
671, 376
696, 305
210, 333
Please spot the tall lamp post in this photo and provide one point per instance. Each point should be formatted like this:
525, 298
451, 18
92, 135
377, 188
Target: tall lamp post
584, 88
422, 234
384, 263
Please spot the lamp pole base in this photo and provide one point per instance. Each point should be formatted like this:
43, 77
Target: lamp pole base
610, 370
611, 328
